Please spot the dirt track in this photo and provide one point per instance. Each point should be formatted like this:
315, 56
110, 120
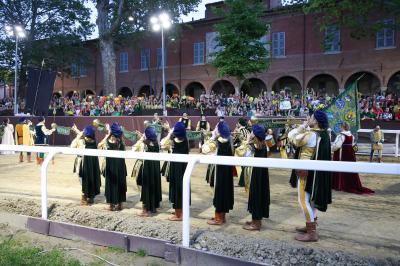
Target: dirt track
365, 225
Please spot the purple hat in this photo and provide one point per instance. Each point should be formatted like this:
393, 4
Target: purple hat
89, 132
259, 132
116, 130
322, 119
224, 130
180, 130
150, 134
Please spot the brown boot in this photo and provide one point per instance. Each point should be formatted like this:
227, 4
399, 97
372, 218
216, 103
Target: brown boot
118, 207
177, 216
217, 220
109, 208
144, 212
21, 158
90, 201
84, 201
304, 229
310, 236
255, 225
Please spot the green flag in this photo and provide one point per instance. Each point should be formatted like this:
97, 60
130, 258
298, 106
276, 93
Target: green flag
345, 109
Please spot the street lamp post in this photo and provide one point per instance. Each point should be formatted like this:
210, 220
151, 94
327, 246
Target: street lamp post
18, 32
162, 22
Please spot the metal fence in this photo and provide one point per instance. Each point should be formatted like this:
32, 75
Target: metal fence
192, 160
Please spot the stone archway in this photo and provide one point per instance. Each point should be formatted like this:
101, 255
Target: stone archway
57, 94
393, 85
324, 84
89, 92
223, 87
145, 90
194, 89
172, 90
369, 84
125, 92
288, 84
253, 87
70, 94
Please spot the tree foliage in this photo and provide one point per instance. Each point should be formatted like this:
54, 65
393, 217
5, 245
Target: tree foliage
240, 34
54, 31
361, 17
115, 26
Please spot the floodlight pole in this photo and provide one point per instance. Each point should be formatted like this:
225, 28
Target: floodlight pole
16, 77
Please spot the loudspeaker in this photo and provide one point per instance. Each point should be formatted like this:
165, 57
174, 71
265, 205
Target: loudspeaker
40, 90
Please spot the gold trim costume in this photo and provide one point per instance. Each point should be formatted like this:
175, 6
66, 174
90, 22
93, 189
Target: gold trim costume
314, 187
24, 136
377, 138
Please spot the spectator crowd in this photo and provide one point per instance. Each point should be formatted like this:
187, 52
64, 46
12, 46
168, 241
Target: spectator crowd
376, 107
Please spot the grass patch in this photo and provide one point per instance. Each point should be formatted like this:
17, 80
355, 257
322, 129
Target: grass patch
14, 253
116, 249
141, 253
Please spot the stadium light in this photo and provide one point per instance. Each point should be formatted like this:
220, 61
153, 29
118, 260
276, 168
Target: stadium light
18, 32
162, 22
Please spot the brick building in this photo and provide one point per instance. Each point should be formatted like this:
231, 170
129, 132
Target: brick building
298, 60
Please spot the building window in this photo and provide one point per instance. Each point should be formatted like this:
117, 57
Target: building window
159, 57
78, 70
123, 62
82, 70
278, 44
198, 57
74, 70
145, 58
332, 39
385, 37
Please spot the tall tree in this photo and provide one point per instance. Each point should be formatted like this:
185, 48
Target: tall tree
240, 34
361, 17
113, 24
54, 30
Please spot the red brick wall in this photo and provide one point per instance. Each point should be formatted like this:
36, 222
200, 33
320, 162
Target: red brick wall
355, 56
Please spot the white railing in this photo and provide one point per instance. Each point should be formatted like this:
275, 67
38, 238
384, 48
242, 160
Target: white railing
387, 131
192, 160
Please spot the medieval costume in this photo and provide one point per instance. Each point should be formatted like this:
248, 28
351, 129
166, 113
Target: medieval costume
224, 192
283, 143
344, 151
241, 133
7, 136
259, 194
149, 176
186, 121
88, 166
377, 139
204, 127
115, 169
41, 138
24, 136
314, 187
178, 142
156, 123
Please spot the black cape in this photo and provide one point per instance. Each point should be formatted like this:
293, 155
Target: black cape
175, 174
150, 177
224, 194
259, 194
89, 171
115, 175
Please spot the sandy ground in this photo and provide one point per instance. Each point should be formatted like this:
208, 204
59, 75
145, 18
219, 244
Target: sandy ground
364, 225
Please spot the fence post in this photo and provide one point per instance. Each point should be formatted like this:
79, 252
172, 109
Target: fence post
186, 202
43, 182
397, 145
